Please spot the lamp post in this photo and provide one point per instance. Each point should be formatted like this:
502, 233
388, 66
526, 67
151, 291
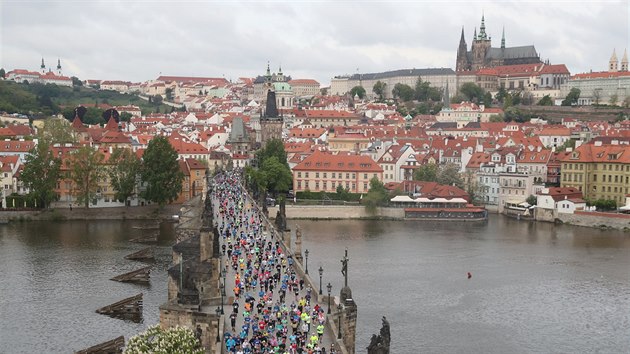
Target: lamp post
329, 288
222, 295
218, 311
321, 272
339, 315
306, 262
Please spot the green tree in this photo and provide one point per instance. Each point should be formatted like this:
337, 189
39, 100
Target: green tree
426, 173
160, 172
125, 117
376, 196
357, 91
425, 92
76, 81
545, 101
277, 176
531, 200
2, 73
501, 94
323, 91
93, 116
86, 170
157, 99
164, 341
342, 193
274, 147
41, 173
57, 131
507, 101
572, 97
169, 93
449, 175
403, 92
472, 92
379, 89
124, 167
487, 99
496, 118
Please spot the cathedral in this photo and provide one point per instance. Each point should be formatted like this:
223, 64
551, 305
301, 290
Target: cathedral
482, 55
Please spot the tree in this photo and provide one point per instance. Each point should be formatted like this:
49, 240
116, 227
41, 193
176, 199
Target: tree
76, 81
157, 100
572, 97
323, 91
501, 94
403, 91
472, 92
425, 92
531, 200
86, 170
613, 99
164, 341
379, 89
626, 102
2, 73
57, 131
160, 172
357, 91
125, 117
376, 196
487, 99
426, 173
449, 175
41, 173
496, 118
277, 176
545, 101
342, 193
123, 173
169, 93
274, 147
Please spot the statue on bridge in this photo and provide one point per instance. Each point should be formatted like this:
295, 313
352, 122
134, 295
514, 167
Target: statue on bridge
344, 267
379, 344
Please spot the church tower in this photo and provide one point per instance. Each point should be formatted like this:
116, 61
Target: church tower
480, 46
624, 61
43, 67
462, 63
271, 122
613, 63
58, 66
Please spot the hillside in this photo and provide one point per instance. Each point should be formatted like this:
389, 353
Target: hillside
40, 101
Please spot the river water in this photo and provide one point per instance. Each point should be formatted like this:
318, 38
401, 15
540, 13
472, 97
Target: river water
535, 288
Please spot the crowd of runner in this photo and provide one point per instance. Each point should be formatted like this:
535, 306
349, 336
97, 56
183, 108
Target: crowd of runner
272, 311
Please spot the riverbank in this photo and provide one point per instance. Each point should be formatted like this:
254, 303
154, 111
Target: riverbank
151, 212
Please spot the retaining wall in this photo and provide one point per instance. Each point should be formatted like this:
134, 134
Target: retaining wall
336, 212
595, 219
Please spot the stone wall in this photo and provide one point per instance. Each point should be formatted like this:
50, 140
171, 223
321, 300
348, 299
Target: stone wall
175, 316
595, 219
337, 212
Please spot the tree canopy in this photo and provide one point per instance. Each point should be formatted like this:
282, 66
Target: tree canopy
472, 92
41, 173
57, 131
379, 89
376, 196
572, 97
164, 341
426, 173
86, 169
403, 92
357, 91
445, 174
160, 172
425, 92
545, 101
124, 167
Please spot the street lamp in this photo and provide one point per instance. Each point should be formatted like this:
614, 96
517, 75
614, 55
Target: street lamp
329, 288
339, 328
306, 263
218, 311
321, 272
222, 295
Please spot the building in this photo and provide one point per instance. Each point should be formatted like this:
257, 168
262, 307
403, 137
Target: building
599, 171
271, 121
322, 171
304, 87
482, 55
561, 200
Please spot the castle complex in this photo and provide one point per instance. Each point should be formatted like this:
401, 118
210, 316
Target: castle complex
482, 55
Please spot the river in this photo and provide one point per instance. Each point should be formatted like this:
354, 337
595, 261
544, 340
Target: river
535, 287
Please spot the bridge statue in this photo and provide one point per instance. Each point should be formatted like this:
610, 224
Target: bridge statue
344, 268
379, 344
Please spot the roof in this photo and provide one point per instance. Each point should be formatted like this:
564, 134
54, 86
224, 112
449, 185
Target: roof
601, 75
323, 161
604, 153
403, 72
297, 82
527, 51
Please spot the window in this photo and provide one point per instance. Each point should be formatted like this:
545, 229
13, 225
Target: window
324, 176
365, 176
299, 174
347, 175
333, 175
306, 174
299, 184
365, 187
316, 174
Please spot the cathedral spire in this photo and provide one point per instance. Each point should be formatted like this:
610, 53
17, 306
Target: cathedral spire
503, 39
613, 63
475, 35
482, 29
624, 61
446, 100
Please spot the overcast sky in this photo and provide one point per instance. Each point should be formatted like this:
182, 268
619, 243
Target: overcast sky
137, 40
